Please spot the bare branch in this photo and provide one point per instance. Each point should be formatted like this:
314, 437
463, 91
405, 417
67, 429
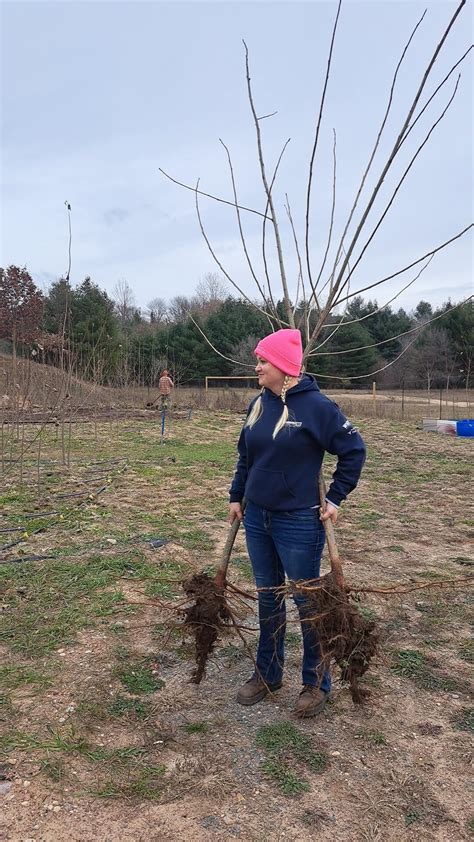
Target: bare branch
378, 370
317, 353
305, 315
264, 254
371, 373
443, 82
394, 151
323, 315
229, 359
341, 321
265, 116
316, 139
224, 272
242, 237
331, 223
399, 184
209, 195
376, 146
387, 303
289, 311
410, 266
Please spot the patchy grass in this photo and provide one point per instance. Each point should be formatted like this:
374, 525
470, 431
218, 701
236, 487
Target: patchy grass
197, 727
53, 769
463, 720
110, 690
411, 817
133, 709
146, 784
466, 650
375, 738
412, 664
244, 567
286, 780
367, 612
35, 624
16, 675
6, 708
283, 744
139, 676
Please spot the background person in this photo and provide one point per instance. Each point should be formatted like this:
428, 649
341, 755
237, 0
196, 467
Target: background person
165, 385
281, 448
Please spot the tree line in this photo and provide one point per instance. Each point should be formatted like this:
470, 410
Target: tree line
110, 340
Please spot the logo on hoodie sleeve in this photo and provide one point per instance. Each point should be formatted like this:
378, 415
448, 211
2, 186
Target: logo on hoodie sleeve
349, 428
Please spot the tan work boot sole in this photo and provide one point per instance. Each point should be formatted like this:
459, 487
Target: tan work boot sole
252, 700
314, 710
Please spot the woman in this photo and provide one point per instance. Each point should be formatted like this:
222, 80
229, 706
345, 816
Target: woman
281, 449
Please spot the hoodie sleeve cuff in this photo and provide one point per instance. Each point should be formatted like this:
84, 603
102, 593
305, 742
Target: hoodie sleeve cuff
235, 498
332, 502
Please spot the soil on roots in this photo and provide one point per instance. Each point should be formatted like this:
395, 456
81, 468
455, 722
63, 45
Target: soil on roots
343, 633
208, 614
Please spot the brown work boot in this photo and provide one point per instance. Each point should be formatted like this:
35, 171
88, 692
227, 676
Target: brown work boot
254, 690
310, 702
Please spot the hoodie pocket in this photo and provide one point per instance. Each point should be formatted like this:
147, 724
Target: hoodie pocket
269, 489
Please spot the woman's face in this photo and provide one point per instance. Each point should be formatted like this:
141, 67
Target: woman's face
269, 376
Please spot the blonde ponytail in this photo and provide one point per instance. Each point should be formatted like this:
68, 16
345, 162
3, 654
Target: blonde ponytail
256, 412
257, 409
284, 415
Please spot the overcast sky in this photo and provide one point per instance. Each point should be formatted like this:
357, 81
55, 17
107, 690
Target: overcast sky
98, 95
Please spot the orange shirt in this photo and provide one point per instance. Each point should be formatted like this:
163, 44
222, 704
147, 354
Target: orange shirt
165, 385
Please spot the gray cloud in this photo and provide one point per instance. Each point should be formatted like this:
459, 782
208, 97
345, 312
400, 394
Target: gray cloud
112, 216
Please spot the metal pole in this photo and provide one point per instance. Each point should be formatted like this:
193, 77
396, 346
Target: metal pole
163, 416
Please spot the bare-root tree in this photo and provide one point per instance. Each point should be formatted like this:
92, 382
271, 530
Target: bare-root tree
323, 284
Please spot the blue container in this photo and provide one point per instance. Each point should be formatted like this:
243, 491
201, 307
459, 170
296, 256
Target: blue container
465, 428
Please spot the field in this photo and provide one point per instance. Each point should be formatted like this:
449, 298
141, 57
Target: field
103, 737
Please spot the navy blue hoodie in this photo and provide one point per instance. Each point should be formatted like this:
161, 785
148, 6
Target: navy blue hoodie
281, 474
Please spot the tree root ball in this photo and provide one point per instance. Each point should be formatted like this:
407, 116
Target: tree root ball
344, 634
208, 614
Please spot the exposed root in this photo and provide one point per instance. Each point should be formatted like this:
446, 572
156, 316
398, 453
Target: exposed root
208, 614
343, 633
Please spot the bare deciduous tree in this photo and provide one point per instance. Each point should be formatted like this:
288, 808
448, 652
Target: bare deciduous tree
322, 285
124, 298
211, 292
243, 354
158, 310
179, 308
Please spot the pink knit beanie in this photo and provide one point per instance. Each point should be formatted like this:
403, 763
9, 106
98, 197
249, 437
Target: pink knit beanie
283, 349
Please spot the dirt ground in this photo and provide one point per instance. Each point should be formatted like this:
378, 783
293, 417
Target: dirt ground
104, 738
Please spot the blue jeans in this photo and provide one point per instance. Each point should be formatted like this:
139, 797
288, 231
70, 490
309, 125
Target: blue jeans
279, 543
